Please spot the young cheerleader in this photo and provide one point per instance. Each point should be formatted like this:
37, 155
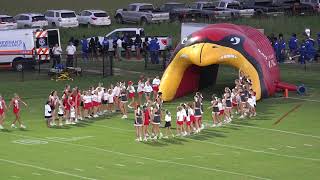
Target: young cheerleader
156, 122
99, 101
180, 118
116, 92
138, 123
60, 112
190, 119
3, 108
123, 101
73, 114
140, 90
15, 103
110, 99
53, 102
146, 122
215, 111
47, 114
155, 86
131, 91
197, 113
87, 105
200, 97
147, 91
168, 124
184, 112
228, 103
221, 109
95, 104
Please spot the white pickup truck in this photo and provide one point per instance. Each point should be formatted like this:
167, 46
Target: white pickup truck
236, 8
163, 41
142, 13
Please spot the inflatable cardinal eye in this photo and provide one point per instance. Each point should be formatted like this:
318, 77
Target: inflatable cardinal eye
235, 40
184, 40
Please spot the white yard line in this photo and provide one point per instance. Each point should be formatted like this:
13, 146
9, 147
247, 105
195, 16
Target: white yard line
121, 165
135, 157
310, 145
277, 130
45, 169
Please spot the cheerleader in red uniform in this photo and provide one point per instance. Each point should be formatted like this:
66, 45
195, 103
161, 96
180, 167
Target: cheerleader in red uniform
146, 122
15, 103
3, 108
131, 91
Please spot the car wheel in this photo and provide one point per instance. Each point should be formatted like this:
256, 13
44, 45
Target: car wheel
143, 21
18, 66
119, 19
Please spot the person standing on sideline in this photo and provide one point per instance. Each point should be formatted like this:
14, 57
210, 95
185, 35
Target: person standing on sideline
282, 48
137, 45
85, 49
119, 49
56, 51
105, 46
71, 50
293, 45
92, 48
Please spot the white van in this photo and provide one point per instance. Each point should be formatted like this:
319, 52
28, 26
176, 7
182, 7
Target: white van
21, 48
62, 18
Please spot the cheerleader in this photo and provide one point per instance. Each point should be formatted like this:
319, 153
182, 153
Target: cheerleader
243, 105
79, 103
215, 111
228, 104
140, 90
110, 99
138, 123
197, 113
99, 101
105, 100
3, 108
95, 104
168, 124
72, 110
53, 102
146, 122
184, 112
155, 86
48, 114
221, 107
201, 126
156, 122
15, 103
116, 91
147, 91
180, 118
131, 91
87, 104
123, 101
190, 118
60, 112
252, 103
75, 102
73, 115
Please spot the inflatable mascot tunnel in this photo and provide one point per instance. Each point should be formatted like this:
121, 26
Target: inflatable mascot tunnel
195, 62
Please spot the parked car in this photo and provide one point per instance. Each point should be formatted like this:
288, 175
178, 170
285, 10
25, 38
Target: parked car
31, 20
180, 12
94, 17
314, 3
209, 11
142, 13
19, 46
7, 22
264, 8
236, 8
164, 41
62, 18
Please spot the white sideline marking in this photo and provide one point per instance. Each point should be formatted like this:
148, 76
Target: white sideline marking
292, 147
37, 174
138, 162
99, 167
16, 177
77, 169
251, 150
197, 156
277, 130
216, 154
141, 157
121, 165
178, 158
273, 149
308, 145
257, 151
45, 169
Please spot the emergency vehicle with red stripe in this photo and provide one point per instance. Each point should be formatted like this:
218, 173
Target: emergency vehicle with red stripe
22, 48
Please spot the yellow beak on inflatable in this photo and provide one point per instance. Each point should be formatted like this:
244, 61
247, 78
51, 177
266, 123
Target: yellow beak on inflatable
204, 54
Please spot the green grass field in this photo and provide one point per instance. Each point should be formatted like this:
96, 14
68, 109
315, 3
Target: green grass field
105, 148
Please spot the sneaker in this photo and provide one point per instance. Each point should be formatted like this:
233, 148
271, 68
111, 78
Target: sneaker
13, 126
255, 114
1, 127
60, 124
213, 125
241, 117
137, 139
123, 117
23, 126
202, 126
68, 122
145, 139
80, 118
140, 139
73, 123
89, 117
165, 137
76, 121
95, 116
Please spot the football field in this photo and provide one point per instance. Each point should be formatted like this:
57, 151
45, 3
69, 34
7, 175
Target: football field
281, 142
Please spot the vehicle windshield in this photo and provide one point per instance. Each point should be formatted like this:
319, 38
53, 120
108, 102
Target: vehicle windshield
38, 18
208, 5
100, 14
68, 15
6, 19
146, 8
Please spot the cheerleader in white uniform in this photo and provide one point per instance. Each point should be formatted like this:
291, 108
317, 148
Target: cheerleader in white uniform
131, 91
140, 91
